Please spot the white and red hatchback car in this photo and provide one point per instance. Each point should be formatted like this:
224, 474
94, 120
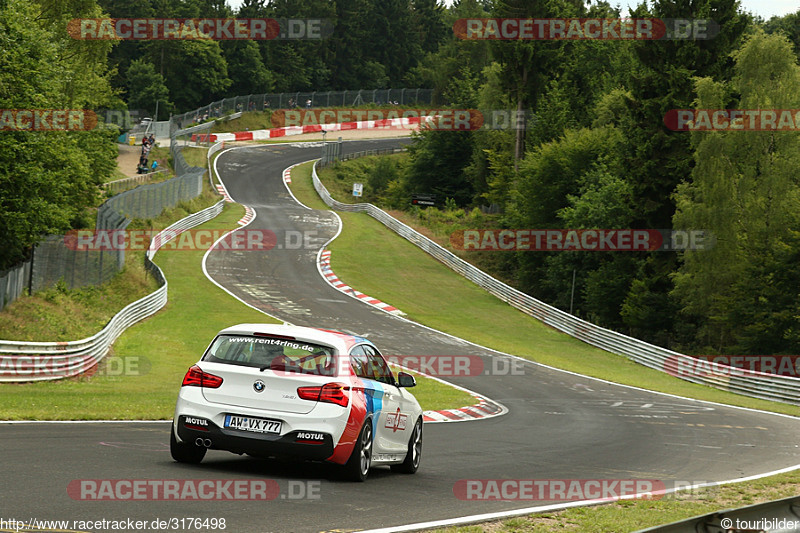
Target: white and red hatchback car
304, 393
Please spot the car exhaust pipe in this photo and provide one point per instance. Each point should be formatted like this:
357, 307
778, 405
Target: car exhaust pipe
207, 443
198, 441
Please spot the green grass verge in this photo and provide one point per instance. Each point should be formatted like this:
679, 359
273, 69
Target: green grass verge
431, 394
459, 307
195, 156
259, 119
141, 377
339, 177
250, 120
162, 347
59, 314
117, 174
627, 516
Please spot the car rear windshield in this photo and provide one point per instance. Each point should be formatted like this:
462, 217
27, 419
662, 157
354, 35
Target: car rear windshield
280, 355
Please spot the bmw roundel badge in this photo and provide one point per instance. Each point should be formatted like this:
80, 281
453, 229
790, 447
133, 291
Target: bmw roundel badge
259, 386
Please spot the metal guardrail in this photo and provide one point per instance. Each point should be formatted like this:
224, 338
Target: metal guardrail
41, 361
754, 384
775, 516
211, 151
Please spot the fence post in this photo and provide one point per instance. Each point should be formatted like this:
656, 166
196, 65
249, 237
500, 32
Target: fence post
30, 277
100, 272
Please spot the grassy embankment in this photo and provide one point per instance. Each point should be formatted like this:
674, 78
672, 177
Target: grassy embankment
140, 379
487, 320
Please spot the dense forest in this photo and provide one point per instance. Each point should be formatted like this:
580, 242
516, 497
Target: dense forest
595, 152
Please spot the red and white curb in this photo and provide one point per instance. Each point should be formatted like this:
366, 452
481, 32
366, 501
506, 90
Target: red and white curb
485, 408
249, 215
262, 135
287, 173
339, 285
224, 192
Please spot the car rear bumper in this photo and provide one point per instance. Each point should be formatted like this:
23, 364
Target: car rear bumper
313, 445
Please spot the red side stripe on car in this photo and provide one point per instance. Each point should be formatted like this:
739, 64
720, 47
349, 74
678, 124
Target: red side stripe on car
358, 412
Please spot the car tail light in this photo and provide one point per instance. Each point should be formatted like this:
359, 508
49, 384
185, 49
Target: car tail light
195, 377
329, 393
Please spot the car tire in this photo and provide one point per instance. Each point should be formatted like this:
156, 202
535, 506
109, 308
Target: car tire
357, 467
185, 452
414, 455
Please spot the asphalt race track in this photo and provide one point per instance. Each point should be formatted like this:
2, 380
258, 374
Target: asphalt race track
559, 425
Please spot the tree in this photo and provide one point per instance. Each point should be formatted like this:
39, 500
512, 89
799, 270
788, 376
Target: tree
658, 159
744, 189
195, 71
789, 25
437, 160
393, 38
526, 64
428, 20
48, 179
146, 87
246, 69
557, 184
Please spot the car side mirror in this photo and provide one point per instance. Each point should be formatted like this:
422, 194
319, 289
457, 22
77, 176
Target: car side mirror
406, 380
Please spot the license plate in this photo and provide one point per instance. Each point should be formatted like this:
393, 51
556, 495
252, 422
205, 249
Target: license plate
249, 423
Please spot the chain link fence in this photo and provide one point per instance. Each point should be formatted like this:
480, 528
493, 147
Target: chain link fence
38, 361
57, 260
14, 282
125, 184
54, 260
267, 102
148, 201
